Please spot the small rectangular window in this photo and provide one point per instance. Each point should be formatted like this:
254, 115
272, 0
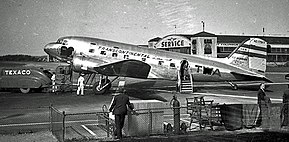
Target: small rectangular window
91, 50
173, 65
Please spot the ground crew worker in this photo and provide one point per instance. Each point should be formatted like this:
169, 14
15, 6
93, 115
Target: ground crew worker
53, 77
118, 107
263, 102
285, 108
80, 84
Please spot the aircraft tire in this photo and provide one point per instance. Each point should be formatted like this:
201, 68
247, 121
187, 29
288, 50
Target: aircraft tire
100, 92
25, 90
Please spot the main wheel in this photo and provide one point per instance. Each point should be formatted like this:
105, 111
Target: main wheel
25, 90
97, 90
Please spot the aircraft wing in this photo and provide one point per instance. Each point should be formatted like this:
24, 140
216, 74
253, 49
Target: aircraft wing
250, 77
125, 68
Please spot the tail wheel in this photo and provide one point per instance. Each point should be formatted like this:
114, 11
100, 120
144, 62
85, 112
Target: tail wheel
25, 90
96, 89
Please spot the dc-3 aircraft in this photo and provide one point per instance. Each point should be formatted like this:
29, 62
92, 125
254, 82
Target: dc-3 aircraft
109, 58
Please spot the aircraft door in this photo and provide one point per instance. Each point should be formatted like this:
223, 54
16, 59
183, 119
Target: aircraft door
184, 70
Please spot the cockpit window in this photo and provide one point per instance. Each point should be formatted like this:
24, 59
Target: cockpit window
62, 41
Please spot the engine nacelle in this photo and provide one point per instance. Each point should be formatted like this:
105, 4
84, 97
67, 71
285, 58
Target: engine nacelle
82, 63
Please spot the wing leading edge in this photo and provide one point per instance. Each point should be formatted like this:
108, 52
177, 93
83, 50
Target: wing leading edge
125, 68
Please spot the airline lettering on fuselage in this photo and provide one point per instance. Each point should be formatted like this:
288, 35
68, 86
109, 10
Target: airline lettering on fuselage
17, 72
208, 70
116, 50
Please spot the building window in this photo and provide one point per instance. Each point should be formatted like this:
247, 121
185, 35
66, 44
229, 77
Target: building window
208, 49
208, 41
194, 47
208, 46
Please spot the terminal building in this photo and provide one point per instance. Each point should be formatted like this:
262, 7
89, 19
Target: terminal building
219, 46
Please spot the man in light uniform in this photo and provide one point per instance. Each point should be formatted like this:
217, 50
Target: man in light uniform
53, 83
80, 84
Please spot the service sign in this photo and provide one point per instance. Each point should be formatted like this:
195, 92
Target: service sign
173, 42
14, 72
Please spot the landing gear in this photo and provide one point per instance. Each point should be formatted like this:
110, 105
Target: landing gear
100, 87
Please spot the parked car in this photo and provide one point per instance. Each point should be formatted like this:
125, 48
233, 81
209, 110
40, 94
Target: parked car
24, 78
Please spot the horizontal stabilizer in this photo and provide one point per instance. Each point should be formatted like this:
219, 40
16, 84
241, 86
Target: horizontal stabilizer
250, 77
125, 68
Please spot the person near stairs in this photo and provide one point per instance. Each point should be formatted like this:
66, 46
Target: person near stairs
53, 78
80, 85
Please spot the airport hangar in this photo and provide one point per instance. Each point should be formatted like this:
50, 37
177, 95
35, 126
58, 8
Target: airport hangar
219, 46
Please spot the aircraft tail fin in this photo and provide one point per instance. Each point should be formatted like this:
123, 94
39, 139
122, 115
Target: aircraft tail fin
251, 55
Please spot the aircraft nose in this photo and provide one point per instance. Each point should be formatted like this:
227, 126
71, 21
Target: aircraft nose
52, 49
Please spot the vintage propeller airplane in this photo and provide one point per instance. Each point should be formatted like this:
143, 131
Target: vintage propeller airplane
109, 58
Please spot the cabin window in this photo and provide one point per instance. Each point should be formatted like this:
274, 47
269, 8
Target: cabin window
91, 50
161, 62
125, 57
114, 54
143, 59
173, 65
102, 52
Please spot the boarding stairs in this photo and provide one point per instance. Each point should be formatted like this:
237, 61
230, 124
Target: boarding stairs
185, 85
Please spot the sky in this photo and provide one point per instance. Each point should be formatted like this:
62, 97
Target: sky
27, 25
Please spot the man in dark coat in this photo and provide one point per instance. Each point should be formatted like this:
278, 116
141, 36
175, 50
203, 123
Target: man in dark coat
285, 109
118, 108
263, 102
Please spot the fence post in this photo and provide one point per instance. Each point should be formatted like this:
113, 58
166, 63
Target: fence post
150, 121
50, 117
63, 126
107, 123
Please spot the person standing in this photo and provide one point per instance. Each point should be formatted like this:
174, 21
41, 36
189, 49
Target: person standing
118, 107
263, 102
80, 84
53, 77
285, 108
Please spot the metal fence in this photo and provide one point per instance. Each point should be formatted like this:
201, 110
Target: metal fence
69, 126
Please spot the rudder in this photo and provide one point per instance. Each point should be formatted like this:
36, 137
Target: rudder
251, 55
